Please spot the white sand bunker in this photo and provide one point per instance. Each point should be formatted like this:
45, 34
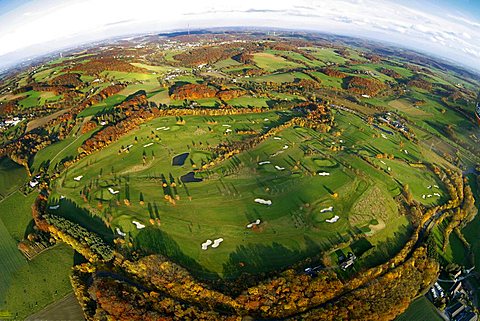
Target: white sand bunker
214, 244
278, 168
206, 244
112, 191
257, 222
324, 174
326, 209
277, 153
54, 207
264, 202
333, 219
226, 126
383, 136
264, 162
277, 138
78, 178
228, 130
119, 232
217, 242
138, 225
285, 147
147, 145
159, 128
436, 194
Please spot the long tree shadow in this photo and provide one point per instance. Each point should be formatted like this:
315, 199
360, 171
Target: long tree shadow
258, 259
151, 240
71, 211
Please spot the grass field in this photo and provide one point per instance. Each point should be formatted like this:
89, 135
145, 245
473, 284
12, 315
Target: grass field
223, 203
12, 176
420, 310
35, 98
39, 282
271, 62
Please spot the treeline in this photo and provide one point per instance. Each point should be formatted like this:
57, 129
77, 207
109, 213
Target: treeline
70, 80
365, 86
193, 91
96, 66
87, 243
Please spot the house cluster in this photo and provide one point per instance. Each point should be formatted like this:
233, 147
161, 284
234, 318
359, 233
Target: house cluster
460, 312
35, 181
10, 122
389, 119
457, 297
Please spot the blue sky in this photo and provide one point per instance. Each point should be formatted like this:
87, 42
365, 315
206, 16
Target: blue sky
445, 28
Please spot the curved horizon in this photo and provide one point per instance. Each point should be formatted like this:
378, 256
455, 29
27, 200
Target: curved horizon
447, 29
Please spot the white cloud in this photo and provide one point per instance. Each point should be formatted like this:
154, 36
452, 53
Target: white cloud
56, 23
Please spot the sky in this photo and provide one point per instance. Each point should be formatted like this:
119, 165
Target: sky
445, 28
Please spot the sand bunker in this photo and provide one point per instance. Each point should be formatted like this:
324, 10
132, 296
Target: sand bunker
333, 219
206, 244
257, 222
119, 232
78, 178
112, 191
324, 174
326, 209
217, 242
264, 202
264, 162
138, 225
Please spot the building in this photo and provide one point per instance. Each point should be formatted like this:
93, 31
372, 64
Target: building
454, 310
467, 316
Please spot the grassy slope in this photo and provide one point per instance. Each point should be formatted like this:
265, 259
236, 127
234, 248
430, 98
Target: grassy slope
420, 310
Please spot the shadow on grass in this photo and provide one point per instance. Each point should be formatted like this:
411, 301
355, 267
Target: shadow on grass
151, 240
71, 211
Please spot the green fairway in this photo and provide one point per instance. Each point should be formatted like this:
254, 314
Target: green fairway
223, 203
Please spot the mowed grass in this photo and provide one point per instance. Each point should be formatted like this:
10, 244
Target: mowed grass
104, 106
12, 176
271, 63
12, 260
39, 282
62, 150
28, 286
281, 77
420, 310
36, 98
223, 203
